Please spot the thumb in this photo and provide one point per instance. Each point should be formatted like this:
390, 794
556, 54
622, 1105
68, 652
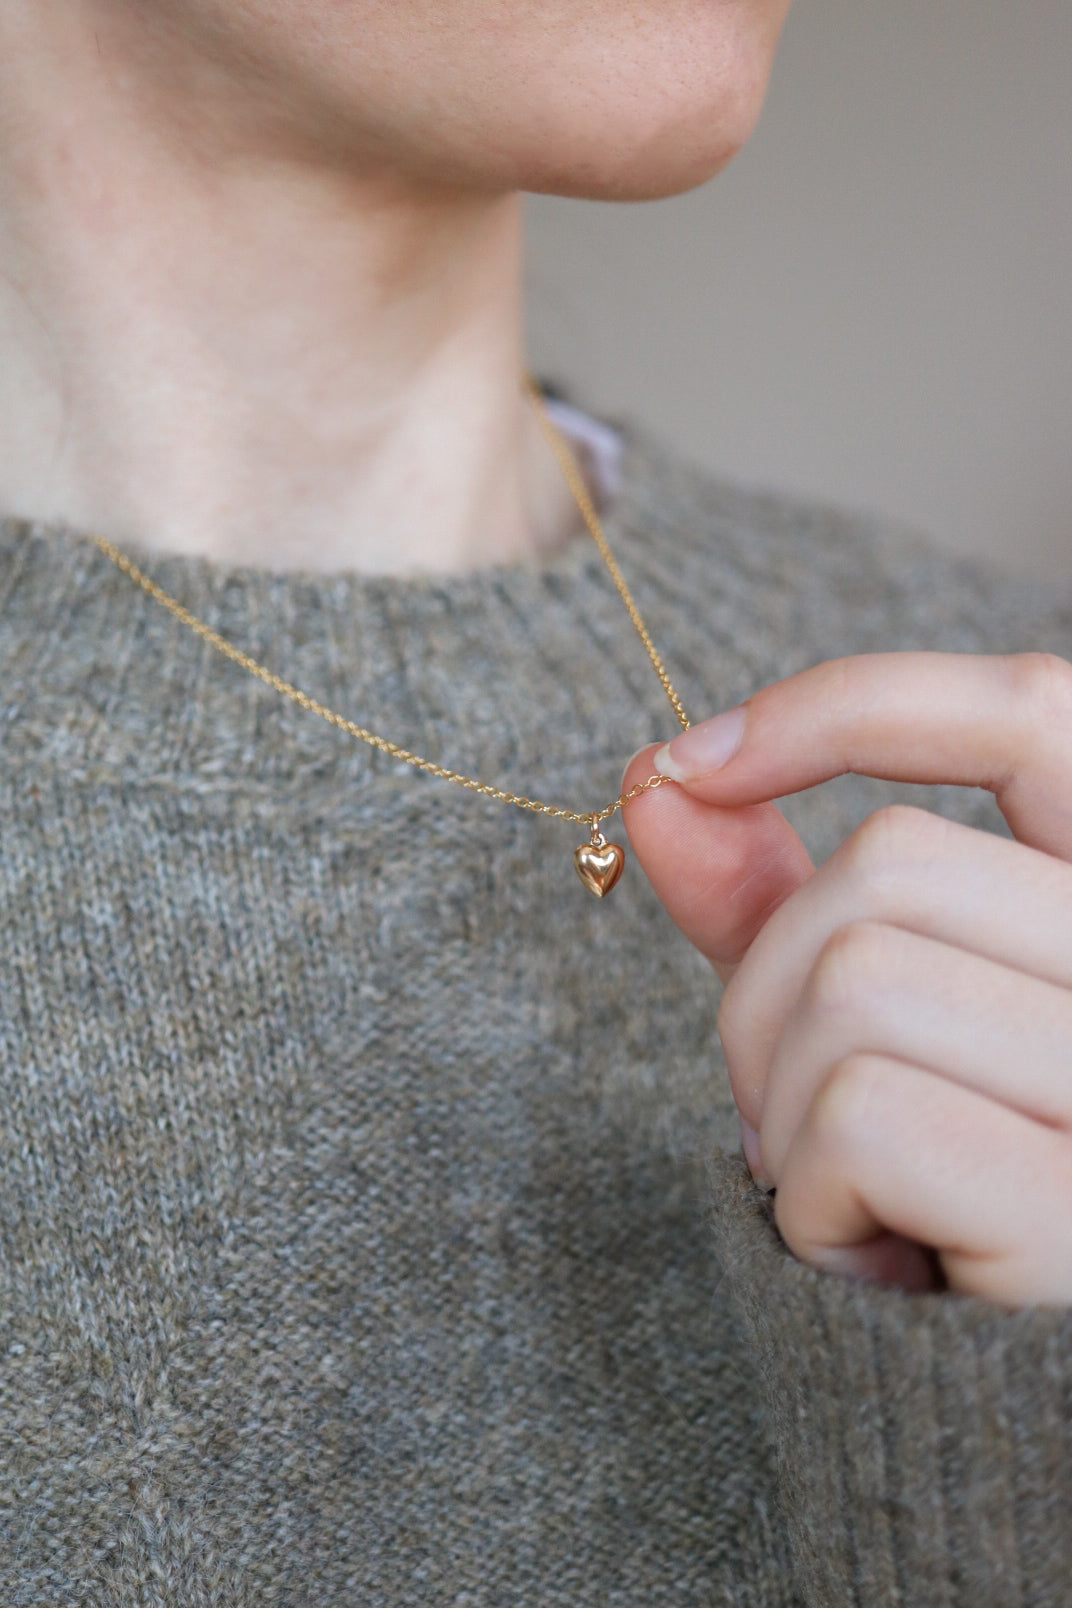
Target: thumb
720, 872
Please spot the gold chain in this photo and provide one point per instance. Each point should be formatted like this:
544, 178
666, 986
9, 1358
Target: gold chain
591, 818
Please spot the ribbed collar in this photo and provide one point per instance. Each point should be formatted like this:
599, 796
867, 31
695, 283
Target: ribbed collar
519, 673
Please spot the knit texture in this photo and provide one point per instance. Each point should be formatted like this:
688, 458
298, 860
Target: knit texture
369, 1228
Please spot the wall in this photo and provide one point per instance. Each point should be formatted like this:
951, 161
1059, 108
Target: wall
874, 303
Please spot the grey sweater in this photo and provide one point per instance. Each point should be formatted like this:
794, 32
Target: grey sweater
371, 1225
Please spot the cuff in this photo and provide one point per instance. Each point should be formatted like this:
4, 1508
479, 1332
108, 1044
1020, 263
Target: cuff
924, 1441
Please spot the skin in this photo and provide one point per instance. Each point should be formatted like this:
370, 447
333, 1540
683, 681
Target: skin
260, 300
898, 1023
260, 259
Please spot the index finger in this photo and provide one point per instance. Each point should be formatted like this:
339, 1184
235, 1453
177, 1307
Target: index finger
1003, 723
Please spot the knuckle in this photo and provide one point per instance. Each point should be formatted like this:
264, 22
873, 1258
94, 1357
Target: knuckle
1042, 682
886, 841
842, 1113
851, 964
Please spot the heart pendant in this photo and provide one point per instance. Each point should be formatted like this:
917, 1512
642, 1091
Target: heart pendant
599, 864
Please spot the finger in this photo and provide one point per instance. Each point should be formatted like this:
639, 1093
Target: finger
903, 868
719, 872
889, 1149
1003, 723
880, 990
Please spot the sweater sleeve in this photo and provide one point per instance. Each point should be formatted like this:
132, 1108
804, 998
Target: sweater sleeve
924, 1441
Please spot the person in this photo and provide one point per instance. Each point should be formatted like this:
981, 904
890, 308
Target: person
374, 1225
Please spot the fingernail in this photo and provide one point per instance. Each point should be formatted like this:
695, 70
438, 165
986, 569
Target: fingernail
702, 748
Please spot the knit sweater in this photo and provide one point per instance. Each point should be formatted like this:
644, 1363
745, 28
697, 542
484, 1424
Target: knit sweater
372, 1224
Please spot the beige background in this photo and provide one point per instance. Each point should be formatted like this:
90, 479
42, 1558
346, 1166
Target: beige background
874, 303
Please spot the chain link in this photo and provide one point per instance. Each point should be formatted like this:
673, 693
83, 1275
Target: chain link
590, 818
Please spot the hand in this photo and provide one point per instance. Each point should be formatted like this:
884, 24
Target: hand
897, 1024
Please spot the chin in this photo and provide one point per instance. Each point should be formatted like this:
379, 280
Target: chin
666, 162
648, 137
618, 100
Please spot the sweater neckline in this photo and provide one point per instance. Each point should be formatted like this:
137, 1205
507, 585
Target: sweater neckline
515, 673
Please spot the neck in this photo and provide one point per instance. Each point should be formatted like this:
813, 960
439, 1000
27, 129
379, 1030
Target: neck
216, 345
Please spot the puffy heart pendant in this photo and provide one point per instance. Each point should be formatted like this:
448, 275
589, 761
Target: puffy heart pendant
599, 864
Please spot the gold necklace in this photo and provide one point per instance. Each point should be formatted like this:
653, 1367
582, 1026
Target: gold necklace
599, 863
